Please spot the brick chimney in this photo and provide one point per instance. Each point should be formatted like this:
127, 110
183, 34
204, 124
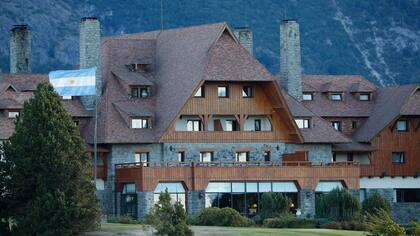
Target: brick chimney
244, 36
290, 59
90, 54
20, 49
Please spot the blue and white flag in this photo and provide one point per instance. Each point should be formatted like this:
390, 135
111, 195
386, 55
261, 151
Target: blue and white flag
74, 82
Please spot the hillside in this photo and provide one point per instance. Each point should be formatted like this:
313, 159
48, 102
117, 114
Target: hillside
377, 39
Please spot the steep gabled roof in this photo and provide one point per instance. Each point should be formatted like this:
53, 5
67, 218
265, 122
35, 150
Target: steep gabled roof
391, 102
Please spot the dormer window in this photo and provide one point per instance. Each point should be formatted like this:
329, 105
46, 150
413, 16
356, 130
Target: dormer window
336, 97
140, 92
140, 123
336, 125
138, 67
401, 126
303, 123
247, 92
67, 97
223, 91
364, 97
308, 96
13, 114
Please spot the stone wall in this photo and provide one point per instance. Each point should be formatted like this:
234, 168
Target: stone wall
317, 152
145, 201
195, 202
405, 212
307, 202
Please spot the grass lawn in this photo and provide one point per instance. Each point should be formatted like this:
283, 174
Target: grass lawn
122, 229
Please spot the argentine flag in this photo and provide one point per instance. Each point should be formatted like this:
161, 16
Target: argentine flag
74, 82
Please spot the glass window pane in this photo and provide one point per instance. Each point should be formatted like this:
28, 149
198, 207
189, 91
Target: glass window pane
251, 204
238, 187
307, 97
219, 187
327, 186
401, 125
129, 188
175, 187
181, 199
212, 200
238, 202
225, 200
199, 92
284, 187
222, 91
251, 187
264, 187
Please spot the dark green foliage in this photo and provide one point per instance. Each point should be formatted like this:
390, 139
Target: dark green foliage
221, 217
345, 225
289, 221
123, 220
168, 219
274, 205
331, 225
381, 224
49, 189
375, 202
413, 228
338, 205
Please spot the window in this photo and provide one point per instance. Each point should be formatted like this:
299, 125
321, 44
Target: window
231, 125
247, 92
13, 114
398, 157
176, 191
364, 97
354, 124
242, 157
267, 156
223, 91
336, 125
336, 97
349, 156
206, 156
140, 123
194, 125
140, 92
181, 156
303, 123
142, 157
401, 125
200, 92
67, 97
257, 125
307, 96
408, 195
76, 122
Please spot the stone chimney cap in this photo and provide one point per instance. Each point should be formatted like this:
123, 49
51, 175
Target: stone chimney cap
21, 26
89, 18
289, 20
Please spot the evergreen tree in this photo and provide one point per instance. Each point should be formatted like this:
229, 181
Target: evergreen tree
274, 205
47, 172
375, 202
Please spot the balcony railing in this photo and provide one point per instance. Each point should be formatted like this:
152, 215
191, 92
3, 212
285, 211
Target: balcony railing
234, 164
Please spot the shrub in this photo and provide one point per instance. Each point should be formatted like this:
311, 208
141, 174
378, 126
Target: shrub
273, 205
413, 228
288, 221
331, 225
169, 219
123, 220
338, 205
381, 224
353, 225
375, 202
221, 217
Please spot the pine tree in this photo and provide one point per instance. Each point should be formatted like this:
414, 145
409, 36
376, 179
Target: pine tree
48, 185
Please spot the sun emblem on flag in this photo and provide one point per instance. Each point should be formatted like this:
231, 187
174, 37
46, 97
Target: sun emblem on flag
72, 81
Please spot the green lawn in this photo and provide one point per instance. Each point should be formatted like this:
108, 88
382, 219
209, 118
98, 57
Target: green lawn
121, 229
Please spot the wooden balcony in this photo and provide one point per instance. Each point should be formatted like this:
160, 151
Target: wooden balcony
196, 176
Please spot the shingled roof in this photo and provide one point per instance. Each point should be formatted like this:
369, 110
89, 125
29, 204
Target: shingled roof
391, 102
349, 85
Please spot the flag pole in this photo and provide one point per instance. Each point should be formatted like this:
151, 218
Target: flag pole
95, 137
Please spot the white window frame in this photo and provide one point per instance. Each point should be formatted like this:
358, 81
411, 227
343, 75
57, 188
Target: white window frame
241, 156
226, 91
364, 97
140, 123
307, 96
142, 157
200, 92
303, 123
206, 156
13, 114
194, 125
336, 97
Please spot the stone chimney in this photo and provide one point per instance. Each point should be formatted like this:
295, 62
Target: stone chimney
244, 36
90, 54
290, 60
20, 49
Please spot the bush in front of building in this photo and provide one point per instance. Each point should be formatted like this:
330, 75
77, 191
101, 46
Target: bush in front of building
381, 224
274, 205
46, 173
168, 218
289, 221
375, 202
213, 216
345, 225
413, 228
337, 205
123, 220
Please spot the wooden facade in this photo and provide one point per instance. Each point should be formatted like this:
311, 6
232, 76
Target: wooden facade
197, 177
266, 101
390, 140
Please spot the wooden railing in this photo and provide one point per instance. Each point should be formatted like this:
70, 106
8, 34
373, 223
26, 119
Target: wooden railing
234, 164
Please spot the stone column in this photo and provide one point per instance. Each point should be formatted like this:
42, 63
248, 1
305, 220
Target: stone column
20, 49
145, 201
195, 202
307, 202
